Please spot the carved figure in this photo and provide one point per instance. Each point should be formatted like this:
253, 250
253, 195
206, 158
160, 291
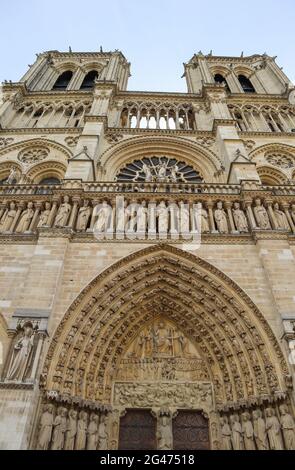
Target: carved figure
225, 434
8, 218
288, 427
43, 221
164, 433
236, 433
240, 218
260, 431
25, 219
273, 429
220, 218
83, 216
59, 429
280, 217
46, 424
22, 354
92, 432
261, 215
248, 432
63, 213
71, 430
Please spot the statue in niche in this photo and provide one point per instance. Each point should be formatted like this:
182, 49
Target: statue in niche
202, 219
8, 218
141, 217
280, 217
240, 218
261, 215
92, 432
25, 219
260, 431
288, 427
71, 430
81, 431
59, 429
43, 221
248, 432
46, 424
14, 176
22, 354
225, 434
102, 433
164, 433
220, 218
83, 216
273, 429
103, 216
63, 213
162, 172
163, 343
163, 217
184, 218
173, 173
180, 343
236, 432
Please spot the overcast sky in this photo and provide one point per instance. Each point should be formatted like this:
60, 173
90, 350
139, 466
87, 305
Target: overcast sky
156, 36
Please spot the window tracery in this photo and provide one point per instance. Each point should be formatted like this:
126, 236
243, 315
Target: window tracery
33, 155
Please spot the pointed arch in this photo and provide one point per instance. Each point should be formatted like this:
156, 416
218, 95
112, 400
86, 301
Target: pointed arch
223, 323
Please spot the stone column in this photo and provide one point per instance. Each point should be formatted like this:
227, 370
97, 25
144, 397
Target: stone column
252, 221
38, 207
228, 206
289, 218
211, 217
53, 211
73, 216
271, 214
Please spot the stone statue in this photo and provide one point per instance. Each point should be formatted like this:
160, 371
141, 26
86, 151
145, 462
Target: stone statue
163, 340
103, 215
92, 432
163, 217
240, 218
83, 217
43, 221
288, 427
25, 219
248, 432
202, 221
81, 431
46, 424
261, 215
8, 218
164, 433
22, 354
273, 429
236, 432
102, 433
162, 172
225, 434
220, 218
184, 218
59, 429
71, 430
148, 177
173, 173
280, 217
260, 431
14, 176
63, 213
142, 217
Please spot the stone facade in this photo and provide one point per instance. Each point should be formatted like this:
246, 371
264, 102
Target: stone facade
147, 256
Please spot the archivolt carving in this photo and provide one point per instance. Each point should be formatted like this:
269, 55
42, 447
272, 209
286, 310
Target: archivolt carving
270, 175
228, 330
268, 149
28, 144
47, 169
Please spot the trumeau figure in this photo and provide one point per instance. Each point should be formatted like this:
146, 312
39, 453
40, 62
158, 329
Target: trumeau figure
46, 424
280, 217
92, 436
261, 215
220, 218
225, 434
248, 432
288, 427
83, 216
71, 430
59, 429
260, 431
25, 219
102, 433
22, 354
44, 215
63, 213
8, 218
273, 429
81, 431
236, 433
163, 217
164, 433
240, 218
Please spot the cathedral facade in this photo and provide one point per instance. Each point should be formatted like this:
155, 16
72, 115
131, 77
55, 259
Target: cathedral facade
147, 257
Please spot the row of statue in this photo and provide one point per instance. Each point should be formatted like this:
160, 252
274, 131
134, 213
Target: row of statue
71, 429
259, 431
140, 218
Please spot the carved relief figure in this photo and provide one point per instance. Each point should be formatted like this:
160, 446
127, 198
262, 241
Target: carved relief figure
273, 429
204, 219
248, 432
81, 431
148, 177
43, 221
102, 433
71, 430
25, 219
59, 429
8, 218
163, 340
142, 217
46, 424
240, 218
164, 433
260, 431
288, 427
92, 432
22, 354
225, 434
83, 216
236, 432
281, 218
103, 215
184, 218
63, 213
261, 215
220, 218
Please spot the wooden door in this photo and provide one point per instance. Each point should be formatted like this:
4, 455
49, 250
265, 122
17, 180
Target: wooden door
137, 431
190, 431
